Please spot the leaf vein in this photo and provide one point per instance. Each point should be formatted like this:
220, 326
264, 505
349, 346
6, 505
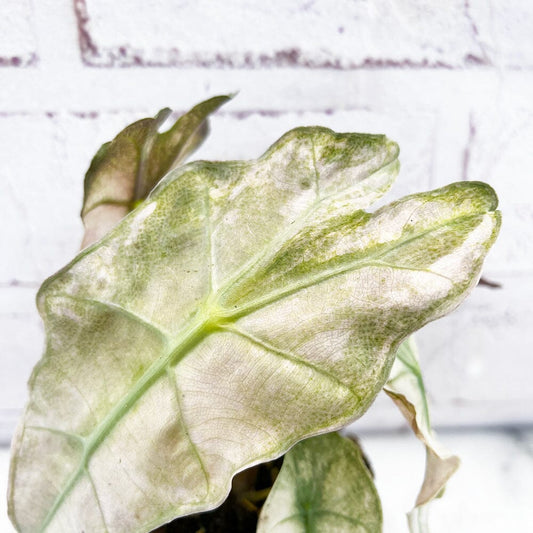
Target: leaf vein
97, 498
119, 309
176, 391
209, 240
288, 356
56, 431
317, 175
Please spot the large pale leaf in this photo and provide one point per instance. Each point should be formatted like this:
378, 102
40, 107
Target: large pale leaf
406, 388
242, 307
125, 170
324, 485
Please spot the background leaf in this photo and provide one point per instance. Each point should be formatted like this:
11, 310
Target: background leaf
324, 485
406, 388
242, 307
125, 170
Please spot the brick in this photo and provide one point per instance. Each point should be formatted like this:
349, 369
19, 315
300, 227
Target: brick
21, 345
248, 34
39, 200
281, 89
500, 154
477, 360
45, 157
17, 38
503, 30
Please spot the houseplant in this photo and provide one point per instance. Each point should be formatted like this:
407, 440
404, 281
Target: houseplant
221, 312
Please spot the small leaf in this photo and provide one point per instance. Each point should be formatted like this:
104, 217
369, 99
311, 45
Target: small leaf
406, 388
323, 485
125, 170
244, 306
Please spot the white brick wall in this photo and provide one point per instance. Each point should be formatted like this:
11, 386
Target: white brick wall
450, 81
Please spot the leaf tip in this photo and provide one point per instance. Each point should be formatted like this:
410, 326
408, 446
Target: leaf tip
487, 193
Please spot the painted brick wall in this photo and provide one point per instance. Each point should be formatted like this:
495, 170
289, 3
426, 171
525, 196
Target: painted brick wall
450, 81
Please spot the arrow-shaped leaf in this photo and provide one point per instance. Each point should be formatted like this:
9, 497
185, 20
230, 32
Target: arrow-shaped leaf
323, 485
126, 169
406, 388
242, 307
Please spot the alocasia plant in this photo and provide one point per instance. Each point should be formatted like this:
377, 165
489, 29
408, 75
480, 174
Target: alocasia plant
240, 308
